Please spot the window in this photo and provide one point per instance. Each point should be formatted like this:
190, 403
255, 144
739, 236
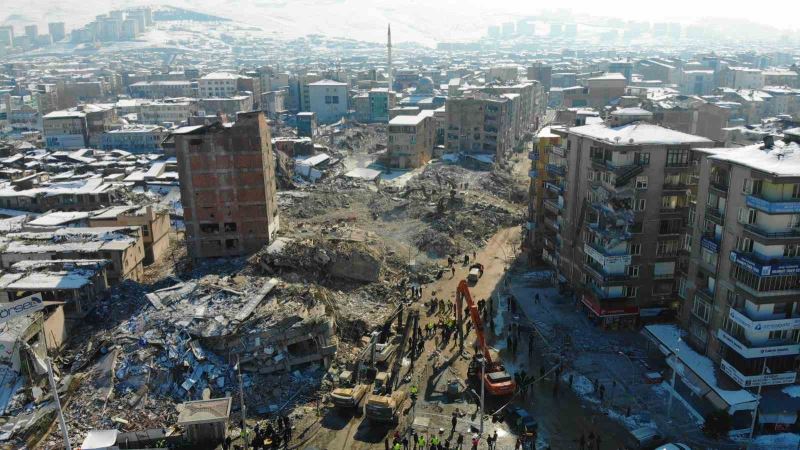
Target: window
796, 191
642, 159
677, 157
641, 182
744, 244
335, 99
630, 291
209, 228
635, 249
145, 230
328, 100
701, 309
230, 227
746, 215
640, 205
667, 248
636, 227
791, 250
633, 271
690, 220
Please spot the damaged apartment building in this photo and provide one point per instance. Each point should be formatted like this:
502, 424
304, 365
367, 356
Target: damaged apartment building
228, 186
617, 195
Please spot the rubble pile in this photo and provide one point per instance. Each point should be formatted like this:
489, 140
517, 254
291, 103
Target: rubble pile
502, 184
466, 228
192, 341
342, 253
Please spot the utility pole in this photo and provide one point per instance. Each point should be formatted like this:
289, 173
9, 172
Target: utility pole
758, 399
61, 421
244, 408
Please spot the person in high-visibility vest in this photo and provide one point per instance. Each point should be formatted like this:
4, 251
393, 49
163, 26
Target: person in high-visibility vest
421, 442
413, 390
397, 446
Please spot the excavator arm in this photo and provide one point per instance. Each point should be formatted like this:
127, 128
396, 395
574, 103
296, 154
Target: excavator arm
464, 295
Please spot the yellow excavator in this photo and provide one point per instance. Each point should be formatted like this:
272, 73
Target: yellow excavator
385, 402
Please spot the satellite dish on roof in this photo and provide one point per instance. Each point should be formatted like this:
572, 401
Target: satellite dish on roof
630, 141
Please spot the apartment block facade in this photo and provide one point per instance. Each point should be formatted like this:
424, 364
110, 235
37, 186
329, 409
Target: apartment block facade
411, 139
480, 123
618, 201
742, 285
228, 186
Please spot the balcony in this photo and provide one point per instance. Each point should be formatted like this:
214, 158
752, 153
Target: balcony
765, 267
715, 215
556, 170
705, 294
533, 155
719, 186
558, 150
557, 188
552, 206
675, 188
762, 234
552, 224
767, 379
710, 243
747, 349
792, 323
626, 174
603, 277
773, 207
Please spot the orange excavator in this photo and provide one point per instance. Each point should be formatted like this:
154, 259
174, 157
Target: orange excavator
497, 381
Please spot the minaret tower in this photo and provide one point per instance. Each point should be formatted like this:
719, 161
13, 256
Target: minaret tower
390, 75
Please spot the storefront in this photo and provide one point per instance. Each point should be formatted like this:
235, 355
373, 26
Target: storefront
695, 380
610, 317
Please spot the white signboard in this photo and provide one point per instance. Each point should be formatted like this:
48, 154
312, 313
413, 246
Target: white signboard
21, 307
768, 379
763, 325
757, 352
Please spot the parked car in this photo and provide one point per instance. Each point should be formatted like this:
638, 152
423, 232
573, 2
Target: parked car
675, 446
522, 421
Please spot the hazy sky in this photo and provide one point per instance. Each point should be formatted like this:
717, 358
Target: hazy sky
424, 21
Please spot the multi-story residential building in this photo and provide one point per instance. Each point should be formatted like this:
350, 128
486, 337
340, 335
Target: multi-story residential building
306, 124
228, 188
741, 287
7, 36
65, 129
624, 197
328, 100
542, 73
744, 78
531, 104
154, 223
598, 92
697, 82
373, 106
226, 105
218, 84
135, 139
175, 111
541, 239
480, 123
411, 139
57, 31
161, 89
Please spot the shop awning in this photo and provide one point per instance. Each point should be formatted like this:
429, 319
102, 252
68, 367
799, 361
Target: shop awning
609, 310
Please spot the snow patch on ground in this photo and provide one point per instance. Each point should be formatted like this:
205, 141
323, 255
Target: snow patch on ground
581, 385
777, 441
792, 391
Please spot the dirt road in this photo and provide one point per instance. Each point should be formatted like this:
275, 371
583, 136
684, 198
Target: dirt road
338, 431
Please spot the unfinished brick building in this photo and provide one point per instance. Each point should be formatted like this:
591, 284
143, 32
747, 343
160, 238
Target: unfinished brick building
227, 176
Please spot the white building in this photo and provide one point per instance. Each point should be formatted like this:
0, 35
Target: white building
328, 99
744, 78
218, 84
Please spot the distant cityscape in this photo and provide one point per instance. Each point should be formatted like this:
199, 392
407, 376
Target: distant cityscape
570, 232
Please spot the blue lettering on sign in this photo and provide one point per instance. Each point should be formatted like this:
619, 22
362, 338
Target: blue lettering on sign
708, 244
785, 268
